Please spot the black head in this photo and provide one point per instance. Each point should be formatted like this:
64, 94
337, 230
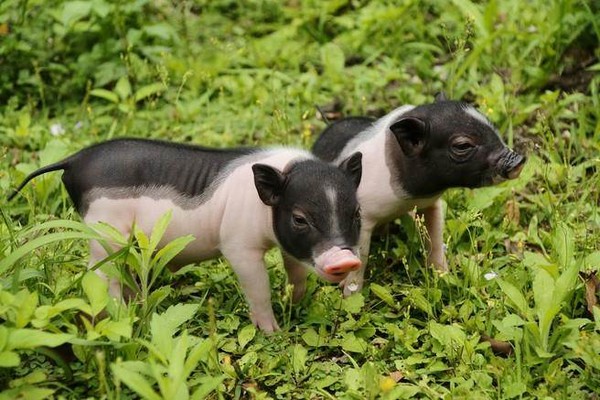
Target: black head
315, 212
450, 144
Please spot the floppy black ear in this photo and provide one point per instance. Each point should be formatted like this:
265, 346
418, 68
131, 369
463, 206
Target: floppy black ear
353, 167
269, 183
411, 134
440, 96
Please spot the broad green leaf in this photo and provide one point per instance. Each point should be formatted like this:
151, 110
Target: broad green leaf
27, 303
416, 298
44, 314
515, 296
207, 385
177, 378
249, 359
333, 59
36, 376
148, 90
535, 260
161, 30
404, 391
168, 252
163, 326
566, 283
134, 381
299, 354
199, 352
73, 11
383, 293
546, 310
352, 379
105, 94
32, 338
123, 88
9, 359
449, 336
312, 338
593, 259
3, 337
353, 344
353, 304
27, 392
246, 334
96, 290
159, 229
115, 329
564, 245
55, 150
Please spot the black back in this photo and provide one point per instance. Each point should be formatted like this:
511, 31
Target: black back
334, 138
142, 163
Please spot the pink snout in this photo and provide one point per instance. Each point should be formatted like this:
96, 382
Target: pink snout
334, 264
343, 266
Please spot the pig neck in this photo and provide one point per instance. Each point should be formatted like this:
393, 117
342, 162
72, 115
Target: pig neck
381, 193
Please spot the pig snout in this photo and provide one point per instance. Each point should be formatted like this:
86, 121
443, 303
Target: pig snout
334, 264
510, 164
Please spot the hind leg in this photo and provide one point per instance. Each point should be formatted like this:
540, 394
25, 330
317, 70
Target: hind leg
97, 254
121, 221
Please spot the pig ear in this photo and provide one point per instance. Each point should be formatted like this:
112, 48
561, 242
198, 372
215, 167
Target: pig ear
353, 167
440, 96
411, 134
269, 183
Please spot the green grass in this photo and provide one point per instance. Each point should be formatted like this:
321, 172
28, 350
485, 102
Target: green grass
226, 73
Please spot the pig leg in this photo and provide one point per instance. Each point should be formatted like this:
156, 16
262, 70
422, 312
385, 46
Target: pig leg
434, 223
354, 281
254, 280
97, 254
296, 273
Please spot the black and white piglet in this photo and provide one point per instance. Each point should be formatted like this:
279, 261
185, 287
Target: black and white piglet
410, 157
235, 202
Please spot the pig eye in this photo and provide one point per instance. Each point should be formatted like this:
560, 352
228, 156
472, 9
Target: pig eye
357, 214
462, 148
299, 220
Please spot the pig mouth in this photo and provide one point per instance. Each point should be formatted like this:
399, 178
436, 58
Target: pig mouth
336, 263
511, 168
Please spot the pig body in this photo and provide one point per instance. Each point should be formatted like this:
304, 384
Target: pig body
236, 202
410, 157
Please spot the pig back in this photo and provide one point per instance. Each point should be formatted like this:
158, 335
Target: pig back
138, 163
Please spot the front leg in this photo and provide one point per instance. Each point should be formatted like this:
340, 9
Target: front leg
434, 223
254, 280
296, 273
353, 283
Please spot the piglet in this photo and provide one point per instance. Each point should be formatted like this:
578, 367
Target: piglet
235, 202
410, 157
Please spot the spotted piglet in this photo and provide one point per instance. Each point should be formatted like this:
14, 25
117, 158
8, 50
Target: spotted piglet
410, 157
235, 202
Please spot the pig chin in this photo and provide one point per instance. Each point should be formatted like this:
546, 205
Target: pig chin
334, 264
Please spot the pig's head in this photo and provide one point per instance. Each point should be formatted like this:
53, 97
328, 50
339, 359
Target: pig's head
316, 217
450, 144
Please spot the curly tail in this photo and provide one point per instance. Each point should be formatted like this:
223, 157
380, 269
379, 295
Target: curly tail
52, 167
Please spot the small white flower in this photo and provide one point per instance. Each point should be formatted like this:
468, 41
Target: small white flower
79, 125
56, 129
353, 286
490, 275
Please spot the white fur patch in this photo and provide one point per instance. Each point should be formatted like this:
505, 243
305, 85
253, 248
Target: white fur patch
478, 116
335, 223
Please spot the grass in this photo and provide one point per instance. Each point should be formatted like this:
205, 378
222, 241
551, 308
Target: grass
524, 255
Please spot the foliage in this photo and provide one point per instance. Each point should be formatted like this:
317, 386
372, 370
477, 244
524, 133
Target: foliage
225, 73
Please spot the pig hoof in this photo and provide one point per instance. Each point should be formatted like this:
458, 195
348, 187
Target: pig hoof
352, 287
267, 325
